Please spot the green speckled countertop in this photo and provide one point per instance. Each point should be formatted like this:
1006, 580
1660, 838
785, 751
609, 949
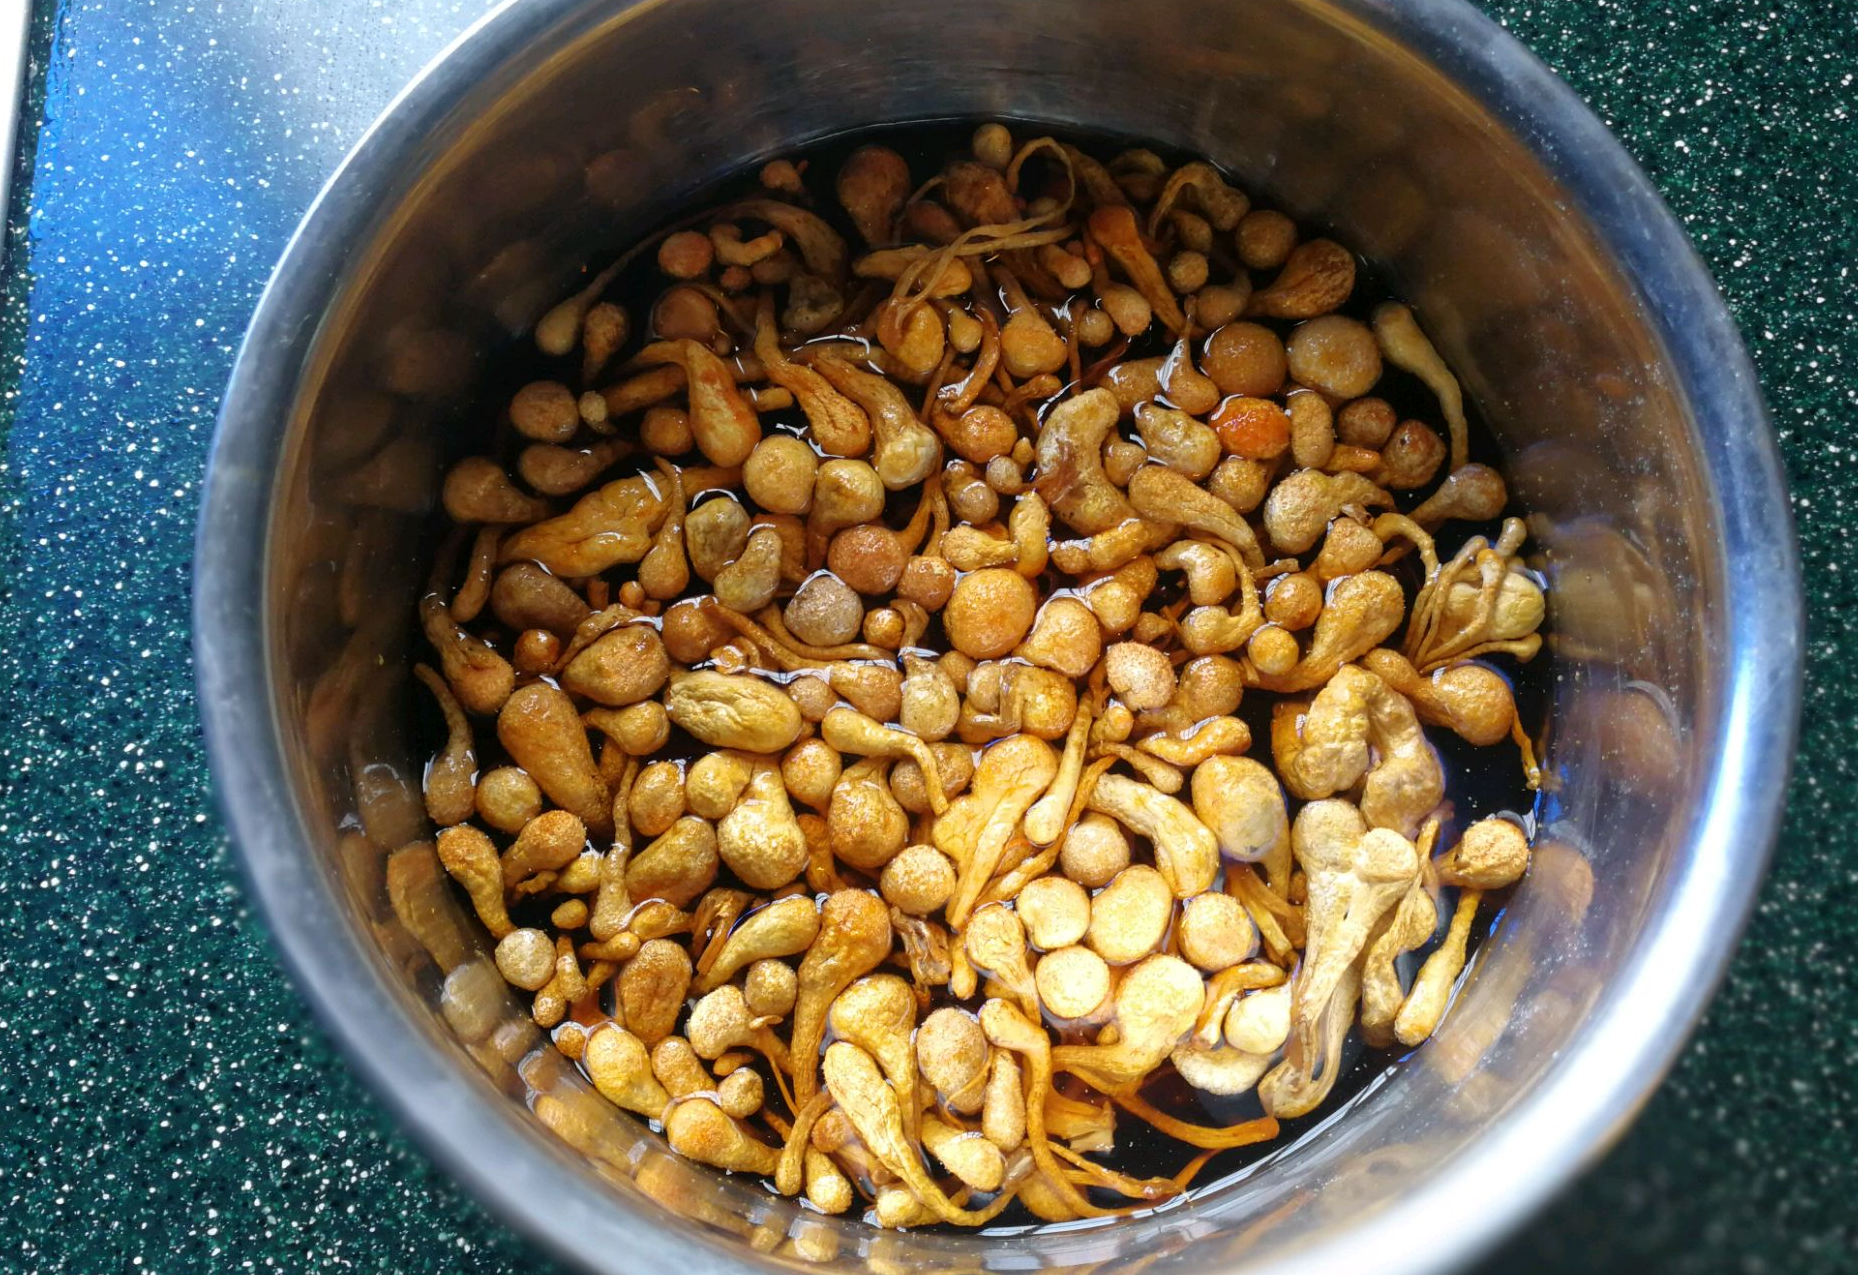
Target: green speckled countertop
165, 1103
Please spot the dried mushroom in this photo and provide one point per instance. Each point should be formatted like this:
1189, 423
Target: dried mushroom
874, 641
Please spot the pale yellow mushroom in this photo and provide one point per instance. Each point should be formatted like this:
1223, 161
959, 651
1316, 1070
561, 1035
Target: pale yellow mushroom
1116, 600
1088, 1128
1045, 821
621, 1069
930, 704
1157, 1003
878, 1014
785, 927
1473, 493
715, 534
1213, 630
722, 421
1215, 932
698, 1128
612, 906
717, 781
1259, 1021
1432, 986
1177, 440
733, 710
1129, 917
1054, 910
810, 769
477, 490
770, 987
1316, 278
750, 580
1354, 875
995, 942
526, 959
760, 840
1142, 676
1011, 776
1211, 577
1185, 851
721, 1021
1240, 802
507, 798
1404, 345
965, 1153
1003, 1105
741, 1093
890, 263
865, 823
1492, 854
1072, 982
1094, 851
918, 881
1221, 1069
1358, 727
827, 1188
853, 732
951, 1051
854, 938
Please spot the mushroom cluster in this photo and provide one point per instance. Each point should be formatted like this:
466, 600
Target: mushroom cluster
863, 648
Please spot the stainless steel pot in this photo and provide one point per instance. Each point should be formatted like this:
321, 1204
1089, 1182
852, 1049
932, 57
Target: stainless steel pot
1554, 281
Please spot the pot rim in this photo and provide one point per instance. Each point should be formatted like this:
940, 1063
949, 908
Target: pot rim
1577, 1110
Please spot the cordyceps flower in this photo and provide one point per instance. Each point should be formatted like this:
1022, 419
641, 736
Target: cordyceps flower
1359, 728
878, 1014
854, 938
1354, 874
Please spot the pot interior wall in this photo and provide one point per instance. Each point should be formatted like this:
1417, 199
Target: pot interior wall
559, 157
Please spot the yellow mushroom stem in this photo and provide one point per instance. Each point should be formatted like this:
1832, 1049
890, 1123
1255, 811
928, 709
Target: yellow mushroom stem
1432, 987
1208, 1137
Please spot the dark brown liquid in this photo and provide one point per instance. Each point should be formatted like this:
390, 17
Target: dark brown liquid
1479, 781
